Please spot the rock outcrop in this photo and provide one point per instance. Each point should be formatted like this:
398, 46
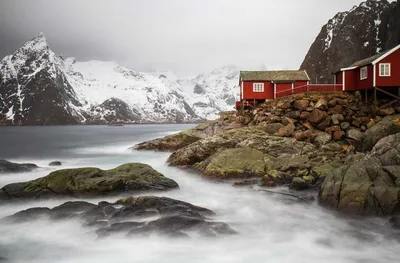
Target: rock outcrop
177, 141
10, 167
92, 182
367, 185
350, 36
133, 216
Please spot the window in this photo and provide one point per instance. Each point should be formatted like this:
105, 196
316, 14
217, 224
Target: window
258, 87
384, 70
363, 73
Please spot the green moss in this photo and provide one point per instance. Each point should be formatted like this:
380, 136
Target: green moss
237, 162
131, 176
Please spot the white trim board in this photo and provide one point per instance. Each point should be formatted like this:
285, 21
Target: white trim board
386, 55
349, 68
307, 74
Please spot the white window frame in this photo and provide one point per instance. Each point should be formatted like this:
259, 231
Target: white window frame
258, 87
364, 73
385, 74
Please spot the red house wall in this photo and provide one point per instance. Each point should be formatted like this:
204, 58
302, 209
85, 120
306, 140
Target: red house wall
248, 93
283, 89
350, 81
339, 78
394, 79
367, 83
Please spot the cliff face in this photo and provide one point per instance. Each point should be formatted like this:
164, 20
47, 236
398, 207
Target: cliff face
363, 31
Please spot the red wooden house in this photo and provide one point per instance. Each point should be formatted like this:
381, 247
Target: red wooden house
379, 71
258, 86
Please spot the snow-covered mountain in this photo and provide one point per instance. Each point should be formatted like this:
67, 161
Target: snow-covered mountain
213, 92
363, 31
39, 87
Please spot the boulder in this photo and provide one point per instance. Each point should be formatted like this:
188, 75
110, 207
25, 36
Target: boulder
338, 135
301, 104
332, 129
323, 139
271, 128
92, 182
55, 163
355, 135
287, 121
387, 126
322, 104
304, 115
241, 138
386, 111
286, 131
344, 125
179, 140
308, 126
338, 109
133, 216
235, 163
325, 124
317, 116
369, 185
10, 167
168, 143
298, 184
234, 125
337, 119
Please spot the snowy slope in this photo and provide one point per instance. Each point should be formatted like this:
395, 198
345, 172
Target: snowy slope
147, 95
212, 92
39, 87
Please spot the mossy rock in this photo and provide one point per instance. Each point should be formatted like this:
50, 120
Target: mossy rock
92, 181
169, 143
235, 163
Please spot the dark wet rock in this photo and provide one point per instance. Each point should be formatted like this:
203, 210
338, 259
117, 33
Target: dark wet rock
92, 181
160, 215
394, 222
30, 215
10, 167
387, 126
55, 163
177, 141
298, 184
369, 185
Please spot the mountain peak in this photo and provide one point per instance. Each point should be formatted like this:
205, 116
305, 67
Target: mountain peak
37, 43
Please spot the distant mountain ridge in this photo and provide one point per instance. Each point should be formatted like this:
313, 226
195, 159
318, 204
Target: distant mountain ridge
365, 30
37, 87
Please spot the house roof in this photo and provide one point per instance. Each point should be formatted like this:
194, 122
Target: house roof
369, 60
372, 60
275, 75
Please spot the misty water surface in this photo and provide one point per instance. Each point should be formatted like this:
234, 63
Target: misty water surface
271, 228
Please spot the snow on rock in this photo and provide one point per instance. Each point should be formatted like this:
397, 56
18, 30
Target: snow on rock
213, 92
348, 37
39, 87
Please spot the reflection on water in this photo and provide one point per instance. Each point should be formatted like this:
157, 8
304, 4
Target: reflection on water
271, 228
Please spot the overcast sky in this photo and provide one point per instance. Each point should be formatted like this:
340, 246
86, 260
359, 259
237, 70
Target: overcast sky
184, 36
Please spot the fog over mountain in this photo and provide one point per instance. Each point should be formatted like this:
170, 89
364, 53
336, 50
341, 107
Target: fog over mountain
185, 37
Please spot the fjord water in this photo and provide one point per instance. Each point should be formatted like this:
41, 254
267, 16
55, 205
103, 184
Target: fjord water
271, 228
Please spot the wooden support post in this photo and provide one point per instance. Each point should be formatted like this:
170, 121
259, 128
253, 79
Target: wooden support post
366, 96
375, 100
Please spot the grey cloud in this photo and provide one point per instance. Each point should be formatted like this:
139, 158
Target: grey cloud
184, 36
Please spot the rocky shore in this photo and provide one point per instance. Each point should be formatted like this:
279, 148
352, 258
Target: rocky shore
132, 216
347, 151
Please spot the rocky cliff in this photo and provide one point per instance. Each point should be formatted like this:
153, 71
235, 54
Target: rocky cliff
363, 31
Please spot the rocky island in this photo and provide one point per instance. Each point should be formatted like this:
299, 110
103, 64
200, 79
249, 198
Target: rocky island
334, 143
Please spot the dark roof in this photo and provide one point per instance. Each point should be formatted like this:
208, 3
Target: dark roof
276, 75
369, 60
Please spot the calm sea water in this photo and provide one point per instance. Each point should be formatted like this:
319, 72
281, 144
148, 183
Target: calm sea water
271, 228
